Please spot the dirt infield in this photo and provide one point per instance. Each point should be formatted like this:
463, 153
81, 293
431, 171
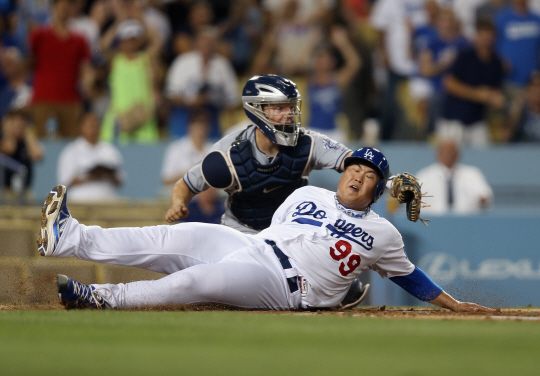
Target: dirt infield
529, 314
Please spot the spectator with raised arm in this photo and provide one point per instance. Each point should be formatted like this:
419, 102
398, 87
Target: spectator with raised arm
327, 84
200, 79
131, 116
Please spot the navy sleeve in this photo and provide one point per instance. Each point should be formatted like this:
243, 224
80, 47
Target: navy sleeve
459, 67
499, 79
419, 285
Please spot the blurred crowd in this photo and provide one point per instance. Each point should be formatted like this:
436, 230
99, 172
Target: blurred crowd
142, 71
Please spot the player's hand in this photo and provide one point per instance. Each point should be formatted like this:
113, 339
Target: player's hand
471, 307
178, 210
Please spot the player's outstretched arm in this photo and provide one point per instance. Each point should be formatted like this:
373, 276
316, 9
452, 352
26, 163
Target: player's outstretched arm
419, 285
446, 301
180, 199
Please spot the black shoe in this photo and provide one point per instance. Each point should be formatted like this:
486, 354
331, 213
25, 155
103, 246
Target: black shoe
357, 292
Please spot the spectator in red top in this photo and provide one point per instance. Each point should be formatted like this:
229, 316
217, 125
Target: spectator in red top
60, 58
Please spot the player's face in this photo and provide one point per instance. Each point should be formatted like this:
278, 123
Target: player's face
280, 113
357, 186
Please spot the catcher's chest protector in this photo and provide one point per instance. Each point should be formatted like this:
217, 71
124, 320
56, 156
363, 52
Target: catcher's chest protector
263, 188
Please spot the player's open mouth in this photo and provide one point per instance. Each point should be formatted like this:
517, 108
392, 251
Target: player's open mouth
354, 187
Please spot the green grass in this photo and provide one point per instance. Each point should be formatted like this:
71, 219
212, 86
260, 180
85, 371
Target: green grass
243, 343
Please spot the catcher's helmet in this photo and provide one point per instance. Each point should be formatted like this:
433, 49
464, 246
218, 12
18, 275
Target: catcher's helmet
272, 89
376, 160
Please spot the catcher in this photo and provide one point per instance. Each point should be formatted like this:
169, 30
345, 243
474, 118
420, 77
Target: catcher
260, 166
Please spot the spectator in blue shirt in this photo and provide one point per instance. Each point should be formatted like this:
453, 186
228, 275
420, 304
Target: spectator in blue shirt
472, 85
437, 57
518, 41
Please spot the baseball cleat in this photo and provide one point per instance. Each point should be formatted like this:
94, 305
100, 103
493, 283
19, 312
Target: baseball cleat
74, 294
357, 292
54, 217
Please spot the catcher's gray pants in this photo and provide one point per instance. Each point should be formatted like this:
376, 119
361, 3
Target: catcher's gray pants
205, 263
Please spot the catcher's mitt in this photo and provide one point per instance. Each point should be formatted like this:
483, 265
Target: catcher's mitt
406, 189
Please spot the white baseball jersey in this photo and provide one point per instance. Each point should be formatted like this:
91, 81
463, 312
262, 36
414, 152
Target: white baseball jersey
330, 248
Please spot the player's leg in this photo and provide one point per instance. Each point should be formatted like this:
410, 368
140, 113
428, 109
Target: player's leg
248, 279
165, 249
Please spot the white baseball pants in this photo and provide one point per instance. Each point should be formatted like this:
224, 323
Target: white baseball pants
205, 263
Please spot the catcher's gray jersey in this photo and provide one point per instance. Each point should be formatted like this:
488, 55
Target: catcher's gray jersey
326, 154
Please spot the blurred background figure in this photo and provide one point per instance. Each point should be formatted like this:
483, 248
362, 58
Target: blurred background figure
242, 33
201, 79
157, 20
297, 27
92, 169
184, 153
465, 11
327, 84
524, 118
16, 93
518, 43
200, 16
206, 207
18, 142
60, 59
455, 187
435, 58
29, 15
472, 85
420, 88
90, 25
394, 21
133, 48
490, 8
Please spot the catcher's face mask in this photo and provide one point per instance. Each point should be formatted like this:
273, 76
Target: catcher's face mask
273, 104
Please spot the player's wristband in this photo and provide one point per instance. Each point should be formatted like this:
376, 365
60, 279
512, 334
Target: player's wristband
419, 285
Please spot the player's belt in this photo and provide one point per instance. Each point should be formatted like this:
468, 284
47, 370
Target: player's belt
286, 264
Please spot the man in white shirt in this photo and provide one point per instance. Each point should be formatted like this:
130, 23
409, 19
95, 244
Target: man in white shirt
183, 154
91, 168
200, 79
454, 187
